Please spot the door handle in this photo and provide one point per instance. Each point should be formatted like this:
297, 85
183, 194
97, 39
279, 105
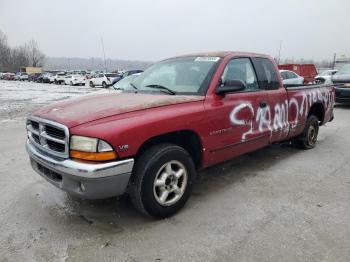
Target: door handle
263, 104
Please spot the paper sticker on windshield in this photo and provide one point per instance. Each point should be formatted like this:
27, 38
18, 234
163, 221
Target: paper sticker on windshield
207, 59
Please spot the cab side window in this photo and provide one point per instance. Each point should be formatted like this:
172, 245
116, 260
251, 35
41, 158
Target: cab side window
241, 69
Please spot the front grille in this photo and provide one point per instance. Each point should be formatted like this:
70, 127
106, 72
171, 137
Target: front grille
35, 125
36, 138
48, 136
56, 133
56, 146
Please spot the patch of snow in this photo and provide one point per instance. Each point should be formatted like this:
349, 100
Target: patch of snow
18, 98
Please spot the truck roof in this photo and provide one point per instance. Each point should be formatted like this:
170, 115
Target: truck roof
222, 54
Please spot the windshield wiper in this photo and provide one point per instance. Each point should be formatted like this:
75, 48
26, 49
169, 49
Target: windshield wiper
133, 86
162, 88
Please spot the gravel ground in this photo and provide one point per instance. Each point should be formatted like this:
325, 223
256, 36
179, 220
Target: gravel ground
276, 204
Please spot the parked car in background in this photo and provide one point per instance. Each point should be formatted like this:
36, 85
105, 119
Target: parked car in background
307, 71
17, 76
58, 78
75, 79
126, 83
342, 84
33, 77
9, 76
103, 79
291, 78
325, 77
45, 77
23, 77
125, 74
1, 75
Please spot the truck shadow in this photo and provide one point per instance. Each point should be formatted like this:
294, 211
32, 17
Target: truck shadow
239, 169
111, 215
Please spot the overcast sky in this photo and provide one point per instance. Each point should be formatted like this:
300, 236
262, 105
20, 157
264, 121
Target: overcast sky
156, 29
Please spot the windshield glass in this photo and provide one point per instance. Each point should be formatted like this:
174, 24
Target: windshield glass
345, 70
124, 84
185, 75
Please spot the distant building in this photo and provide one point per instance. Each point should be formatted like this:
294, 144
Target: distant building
31, 70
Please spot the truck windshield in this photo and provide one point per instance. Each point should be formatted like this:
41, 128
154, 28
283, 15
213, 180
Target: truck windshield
186, 75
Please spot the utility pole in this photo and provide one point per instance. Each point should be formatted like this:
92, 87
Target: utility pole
279, 52
104, 54
334, 59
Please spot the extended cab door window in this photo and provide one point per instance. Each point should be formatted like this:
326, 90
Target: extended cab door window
267, 73
241, 69
277, 103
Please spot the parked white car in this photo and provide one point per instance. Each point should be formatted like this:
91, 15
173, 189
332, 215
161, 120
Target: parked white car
103, 79
291, 78
23, 77
75, 79
58, 78
325, 77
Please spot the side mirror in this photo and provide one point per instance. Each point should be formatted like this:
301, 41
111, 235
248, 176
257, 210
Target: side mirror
230, 86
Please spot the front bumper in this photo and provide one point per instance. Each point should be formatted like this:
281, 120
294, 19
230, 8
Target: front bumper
85, 180
342, 95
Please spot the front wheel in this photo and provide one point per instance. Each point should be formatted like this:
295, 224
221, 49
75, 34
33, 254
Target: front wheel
104, 84
91, 84
308, 139
162, 180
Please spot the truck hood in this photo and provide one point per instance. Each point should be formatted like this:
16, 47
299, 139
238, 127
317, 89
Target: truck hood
88, 108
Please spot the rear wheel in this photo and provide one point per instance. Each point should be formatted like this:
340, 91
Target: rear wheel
104, 84
91, 84
308, 138
71, 83
162, 180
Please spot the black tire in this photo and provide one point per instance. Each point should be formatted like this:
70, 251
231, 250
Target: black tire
104, 84
148, 166
71, 83
308, 139
91, 84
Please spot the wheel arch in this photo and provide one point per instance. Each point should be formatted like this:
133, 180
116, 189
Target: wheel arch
317, 109
187, 139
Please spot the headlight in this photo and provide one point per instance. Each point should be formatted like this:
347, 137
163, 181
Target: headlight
91, 149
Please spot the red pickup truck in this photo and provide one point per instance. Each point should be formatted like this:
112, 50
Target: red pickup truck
181, 115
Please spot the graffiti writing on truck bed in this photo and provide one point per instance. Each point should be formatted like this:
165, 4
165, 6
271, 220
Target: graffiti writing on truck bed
280, 117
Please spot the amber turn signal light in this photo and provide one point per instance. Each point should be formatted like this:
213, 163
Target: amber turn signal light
90, 156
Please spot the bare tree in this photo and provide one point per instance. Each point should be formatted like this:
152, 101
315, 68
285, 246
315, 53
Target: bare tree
5, 52
19, 58
35, 57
